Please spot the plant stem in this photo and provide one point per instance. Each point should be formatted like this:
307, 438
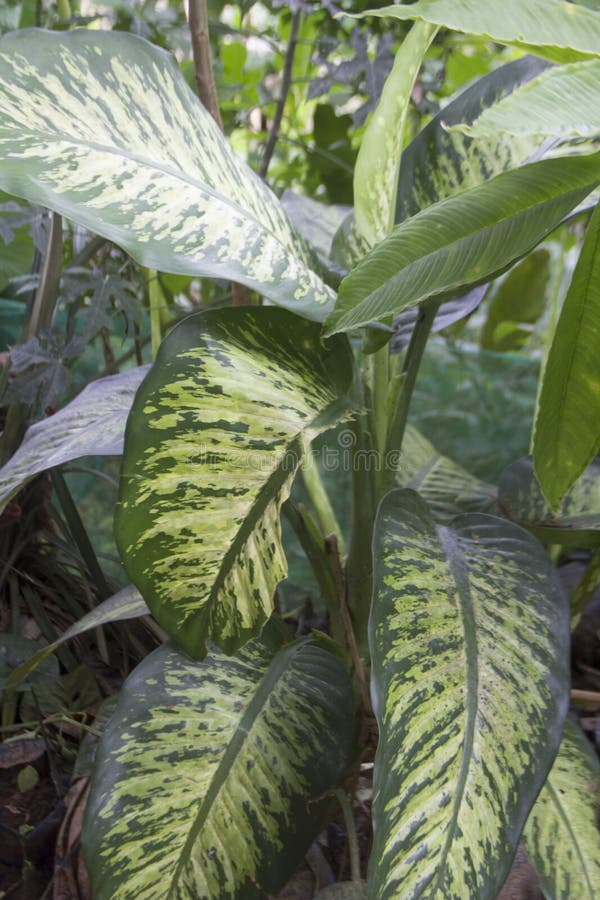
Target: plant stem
320, 500
47, 292
346, 807
380, 387
156, 301
286, 82
412, 362
203, 70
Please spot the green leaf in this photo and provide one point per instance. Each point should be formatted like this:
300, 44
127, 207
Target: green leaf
93, 424
464, 240
574, 522
519, 299
216, 433
210, 776
562, 102
102, 128
561, 835
446, 487
553, 28
378, 162
567, 425
16, 655
125, 604
463, 618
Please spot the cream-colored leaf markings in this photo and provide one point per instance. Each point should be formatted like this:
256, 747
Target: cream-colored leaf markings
565, 818
211, 773
103, 128
460, 615
216, 434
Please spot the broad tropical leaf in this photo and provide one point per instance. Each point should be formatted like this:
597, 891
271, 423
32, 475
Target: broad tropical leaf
567, 425
210, 776
561, 835
561, 102
378, 162
103, 128
125, 604
440, 162
464, 240
93, 424
462, 618
575, 521
553, 28
519, 300
216, 433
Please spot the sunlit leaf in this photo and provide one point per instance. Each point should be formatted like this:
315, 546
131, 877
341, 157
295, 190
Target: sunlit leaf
103, 128
92, 424
211, 776
553, 28
378, 162
464, 240
462, 617
561, 835
215, 436
561, 102
567, 425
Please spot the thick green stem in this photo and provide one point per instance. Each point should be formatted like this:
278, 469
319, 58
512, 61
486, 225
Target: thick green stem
379, 414
348, 814
410, 369
320, 500
156, 301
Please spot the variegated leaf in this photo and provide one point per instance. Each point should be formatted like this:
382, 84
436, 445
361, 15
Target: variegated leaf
562, 102
575, 521
103, 128
215, 436
93, 424
469, 639
460, 162
553, 28
562, 833
210, 775
125, 604
378, 161
464, 240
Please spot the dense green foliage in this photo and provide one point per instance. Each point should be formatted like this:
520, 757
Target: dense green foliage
227, 744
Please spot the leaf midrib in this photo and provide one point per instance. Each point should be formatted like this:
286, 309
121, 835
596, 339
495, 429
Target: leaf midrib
265, 688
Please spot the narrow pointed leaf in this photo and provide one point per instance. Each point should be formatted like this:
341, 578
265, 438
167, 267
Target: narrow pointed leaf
561, 835
576, 519
469, 639
92, 424
561, 102
553, 28
441, 162
215, 436
103, 128
567, 425
464, 240
378, 162
125, 604
210, 775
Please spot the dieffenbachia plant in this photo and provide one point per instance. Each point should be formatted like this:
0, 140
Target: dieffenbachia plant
227, 745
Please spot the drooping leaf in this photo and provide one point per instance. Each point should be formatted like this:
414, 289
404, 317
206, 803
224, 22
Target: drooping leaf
562, 102
553, 28
16, 654
461, 616
574, 522
519, 300
210, 775
216, 433
464, 240
378, 161
567, 425
562, 835
103, 128
125, 604
92, 424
